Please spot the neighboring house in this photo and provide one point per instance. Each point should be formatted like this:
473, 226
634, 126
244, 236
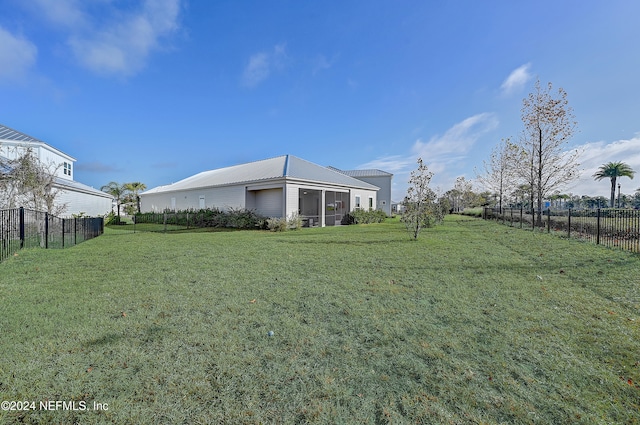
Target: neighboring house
75, 196
277, 187
379, 178
397, 207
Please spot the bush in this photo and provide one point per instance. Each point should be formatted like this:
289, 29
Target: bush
294, 222
281, 224
277, 224
237, 218
364, 217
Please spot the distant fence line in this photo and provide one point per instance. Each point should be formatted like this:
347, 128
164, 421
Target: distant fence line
612, 227
23, 228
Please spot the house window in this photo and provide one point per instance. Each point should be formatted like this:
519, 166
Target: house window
357, 201
370, 203
67, 169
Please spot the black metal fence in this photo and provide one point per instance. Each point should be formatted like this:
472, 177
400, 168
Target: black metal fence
612, 227
23, 228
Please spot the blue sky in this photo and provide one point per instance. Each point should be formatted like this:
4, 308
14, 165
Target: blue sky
155, 91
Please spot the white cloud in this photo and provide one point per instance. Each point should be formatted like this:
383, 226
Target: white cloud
262, 64
392, 164
456, 141
64, 13
111, 40
321, 63
18, 56
516, 80
595, 154
440, 153
257, 70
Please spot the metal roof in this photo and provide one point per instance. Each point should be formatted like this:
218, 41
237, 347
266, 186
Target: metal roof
363, 173
7, 133
281, 167
75, 186
11, 135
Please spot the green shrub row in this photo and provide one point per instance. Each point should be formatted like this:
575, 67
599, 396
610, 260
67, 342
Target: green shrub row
236, 218
364, 217
282, 224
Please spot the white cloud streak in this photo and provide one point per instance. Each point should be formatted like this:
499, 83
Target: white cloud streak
516, 80
261, 65
18, 56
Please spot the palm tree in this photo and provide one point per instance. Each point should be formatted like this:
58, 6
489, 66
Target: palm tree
613, 170
116, 190
135, 188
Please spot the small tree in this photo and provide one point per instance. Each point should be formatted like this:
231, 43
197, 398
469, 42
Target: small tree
27, 182
497, 173
135, 188
117, 190
421, 206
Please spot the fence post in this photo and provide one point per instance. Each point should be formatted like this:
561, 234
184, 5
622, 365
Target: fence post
569, 225
63, 220
598, 226
46, 230
21, 227
548, 220
521, 216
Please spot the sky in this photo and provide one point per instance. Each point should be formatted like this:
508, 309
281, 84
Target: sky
156, 91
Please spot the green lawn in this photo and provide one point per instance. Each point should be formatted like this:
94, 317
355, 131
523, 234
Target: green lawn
475, 323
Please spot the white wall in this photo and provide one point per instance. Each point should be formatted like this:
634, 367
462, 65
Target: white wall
48, 156
364, 198
222, 198
79, 202
269, 202
384, 194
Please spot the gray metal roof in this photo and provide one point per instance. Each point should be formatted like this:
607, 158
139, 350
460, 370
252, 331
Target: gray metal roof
7, 133
281, 167
75, 186
14, 136
362, 173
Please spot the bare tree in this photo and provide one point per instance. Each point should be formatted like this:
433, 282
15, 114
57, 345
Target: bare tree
544, 161
498, 172
421, 206
27, 182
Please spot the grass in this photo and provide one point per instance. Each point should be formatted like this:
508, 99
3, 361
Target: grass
473, 323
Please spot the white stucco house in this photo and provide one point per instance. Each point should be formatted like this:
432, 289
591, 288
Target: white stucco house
276, 187
74, 196
378, 178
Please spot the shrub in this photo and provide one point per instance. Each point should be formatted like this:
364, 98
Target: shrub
294, 222
237, 218
277, 224
364, 217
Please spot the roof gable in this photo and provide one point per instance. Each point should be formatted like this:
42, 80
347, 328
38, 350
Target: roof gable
12, 137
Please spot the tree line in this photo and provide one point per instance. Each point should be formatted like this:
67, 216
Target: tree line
527, 171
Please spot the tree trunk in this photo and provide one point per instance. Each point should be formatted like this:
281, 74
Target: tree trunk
613, 191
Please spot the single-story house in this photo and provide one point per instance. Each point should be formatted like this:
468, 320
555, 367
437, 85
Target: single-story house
276, 187
73, 197
378, 178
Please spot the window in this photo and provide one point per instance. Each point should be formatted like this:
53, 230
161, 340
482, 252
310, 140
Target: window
370, 203
67, 169
357, 201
